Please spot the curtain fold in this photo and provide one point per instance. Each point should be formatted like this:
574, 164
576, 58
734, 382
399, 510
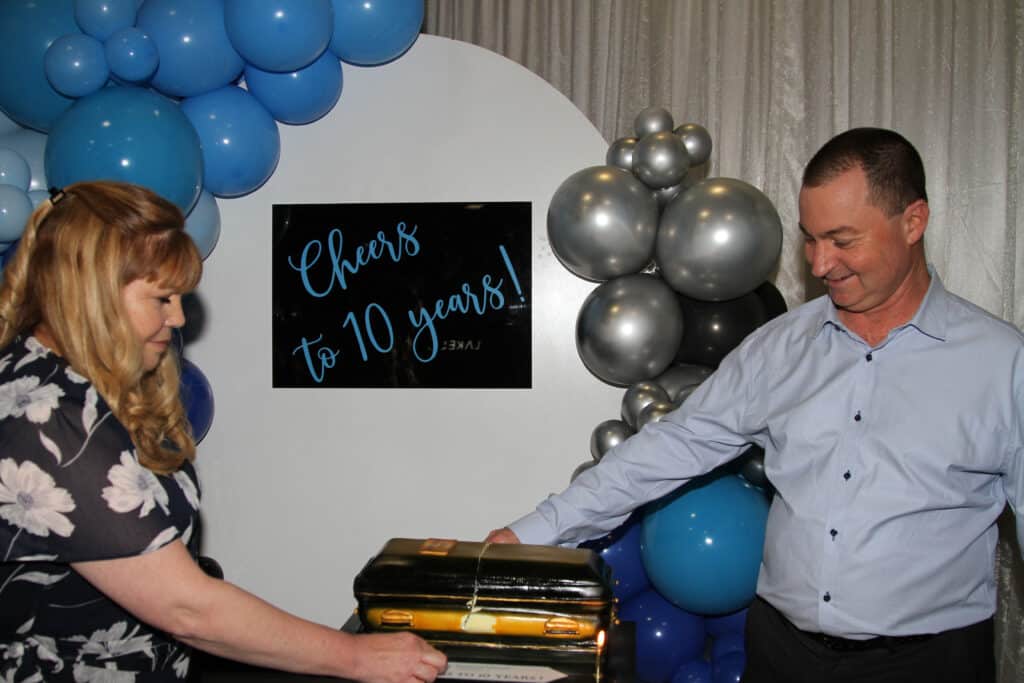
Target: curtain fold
772, 80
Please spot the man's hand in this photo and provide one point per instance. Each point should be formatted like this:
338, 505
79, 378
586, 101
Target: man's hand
502, 535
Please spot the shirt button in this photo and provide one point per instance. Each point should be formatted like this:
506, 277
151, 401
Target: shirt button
833, 533
847, 475
827, 598
868, 357
856, 418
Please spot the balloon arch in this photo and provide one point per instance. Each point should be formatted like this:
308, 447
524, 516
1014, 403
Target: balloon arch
186, 96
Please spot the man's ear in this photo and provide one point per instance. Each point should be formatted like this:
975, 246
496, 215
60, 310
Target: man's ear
915, 220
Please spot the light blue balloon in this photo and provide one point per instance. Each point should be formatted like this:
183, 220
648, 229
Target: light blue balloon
702, 544
370, 33
7, 125
128, 134
15, 208
102, 18
196, 55
75, 65
240, 140
31, 145
203, 223
131, 54
301, 96
279, 35
27, 28
14, 169
37, 197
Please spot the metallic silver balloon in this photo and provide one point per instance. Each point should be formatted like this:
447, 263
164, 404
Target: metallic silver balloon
653, 412
718, 240
620, 154
580, 469
607, 436
652, 120
638, 396
680, 376
684, 394
752, 467
660, 160
602, 223
629, 329
697, 140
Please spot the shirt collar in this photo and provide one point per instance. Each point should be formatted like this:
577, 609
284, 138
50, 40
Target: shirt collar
930, 318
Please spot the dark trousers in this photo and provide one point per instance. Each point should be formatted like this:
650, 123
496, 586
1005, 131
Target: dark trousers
778, 652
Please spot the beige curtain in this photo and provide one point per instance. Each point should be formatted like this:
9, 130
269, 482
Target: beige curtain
773, 79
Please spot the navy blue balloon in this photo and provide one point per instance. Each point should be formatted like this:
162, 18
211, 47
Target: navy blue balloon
621, 551
27, 28
131, 55
370, 33
196, 55
734, 622
666, 636
102, 18
728, 668
197, 397
76, 65
279, 35
240, 140
301, 96
127, 134
693, 671
726, 643
702, 544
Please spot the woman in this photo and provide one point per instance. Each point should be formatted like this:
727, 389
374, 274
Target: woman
98, 496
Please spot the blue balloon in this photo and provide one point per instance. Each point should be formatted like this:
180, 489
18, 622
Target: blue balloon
128, 134
197, 397
15, 208
131, 55
666, 636
102, 18
621, 551
728, 668
196, 55
27, 28
301, 96
693, 671
279, 35
31, 145
37, 197
14, 169
76, 65
702, 544
8, 254
7, 125
369, 33
726, 643
735, 622
240, 140
203, 223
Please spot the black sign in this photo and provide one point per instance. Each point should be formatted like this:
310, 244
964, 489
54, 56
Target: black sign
402, 295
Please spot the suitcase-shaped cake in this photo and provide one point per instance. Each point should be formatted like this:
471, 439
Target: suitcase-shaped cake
491, 602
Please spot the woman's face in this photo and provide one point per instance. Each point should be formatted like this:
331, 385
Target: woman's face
154, 311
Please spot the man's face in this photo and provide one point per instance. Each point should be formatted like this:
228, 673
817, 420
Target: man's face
862, 255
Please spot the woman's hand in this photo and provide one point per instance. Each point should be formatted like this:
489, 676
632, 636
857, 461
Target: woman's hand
395, 658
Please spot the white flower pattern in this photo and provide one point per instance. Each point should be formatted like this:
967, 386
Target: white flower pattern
25, 396
30, 500
133, 486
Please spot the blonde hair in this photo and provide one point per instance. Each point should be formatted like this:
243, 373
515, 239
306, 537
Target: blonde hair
76, 255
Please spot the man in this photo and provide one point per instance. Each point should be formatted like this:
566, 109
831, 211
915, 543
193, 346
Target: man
891, 414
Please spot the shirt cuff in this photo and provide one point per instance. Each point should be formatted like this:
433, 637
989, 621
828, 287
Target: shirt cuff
533, 528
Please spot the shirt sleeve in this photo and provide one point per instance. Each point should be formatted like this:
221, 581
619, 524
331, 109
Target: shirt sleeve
75, 491
712, 427
1013, 480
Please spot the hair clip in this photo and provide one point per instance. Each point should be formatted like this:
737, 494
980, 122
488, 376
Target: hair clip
56, 194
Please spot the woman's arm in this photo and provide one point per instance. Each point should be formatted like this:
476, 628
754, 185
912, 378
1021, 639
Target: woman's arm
166, 589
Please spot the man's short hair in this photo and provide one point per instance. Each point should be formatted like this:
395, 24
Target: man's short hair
894, 170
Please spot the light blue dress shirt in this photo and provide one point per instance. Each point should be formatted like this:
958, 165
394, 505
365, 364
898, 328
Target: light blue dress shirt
891, 464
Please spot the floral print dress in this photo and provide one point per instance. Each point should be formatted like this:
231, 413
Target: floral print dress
72, 490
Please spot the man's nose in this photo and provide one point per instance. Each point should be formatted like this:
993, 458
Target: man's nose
821, 256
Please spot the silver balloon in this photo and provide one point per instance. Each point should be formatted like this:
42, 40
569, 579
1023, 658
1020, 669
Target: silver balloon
629, 329
602, 223
607, 436
652, 120
660, 160
31, 145
638, 396
620, 154
653, 412
684, 394
680, 376
697, 140
752, 468
580, 469
718, 240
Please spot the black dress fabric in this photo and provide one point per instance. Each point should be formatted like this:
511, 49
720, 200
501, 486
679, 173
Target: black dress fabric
72, 490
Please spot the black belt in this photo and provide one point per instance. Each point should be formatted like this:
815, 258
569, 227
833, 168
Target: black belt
849, 645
